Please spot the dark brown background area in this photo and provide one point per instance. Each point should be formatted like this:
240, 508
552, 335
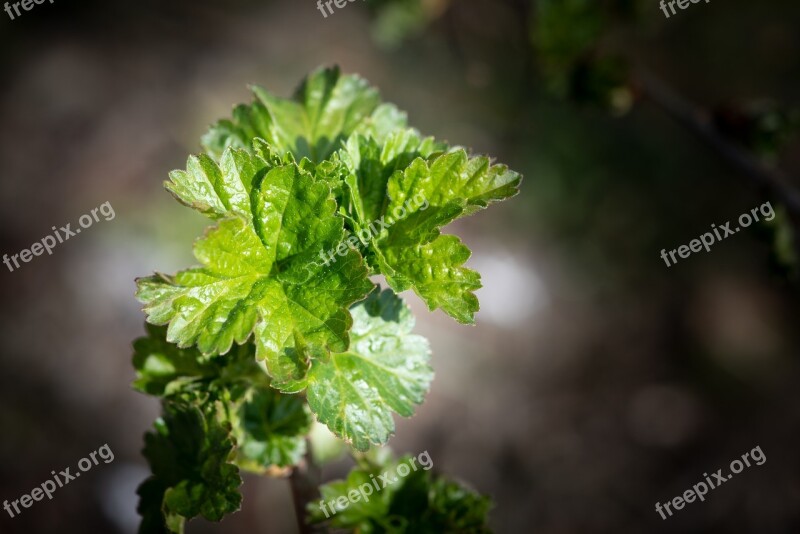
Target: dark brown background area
597, 380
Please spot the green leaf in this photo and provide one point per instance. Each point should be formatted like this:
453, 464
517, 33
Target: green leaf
262, 275
162, 368
429, 504
289, 182
412, 254
371, 164
270, 427
386, 119
434, 270
272, 430
370, 508
411, 500
402, 195
386, 369
218, 190
189, 453
324, 111
454, 178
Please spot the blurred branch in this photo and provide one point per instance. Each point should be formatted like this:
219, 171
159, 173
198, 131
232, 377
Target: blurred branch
699, 121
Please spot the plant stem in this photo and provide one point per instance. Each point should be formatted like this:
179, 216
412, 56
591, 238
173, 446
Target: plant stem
698, 121
304, 483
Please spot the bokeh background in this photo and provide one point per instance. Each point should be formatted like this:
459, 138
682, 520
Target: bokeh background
597, 380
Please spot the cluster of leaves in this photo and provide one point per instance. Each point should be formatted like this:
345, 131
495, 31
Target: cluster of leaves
420, 502
220, 415
282, 303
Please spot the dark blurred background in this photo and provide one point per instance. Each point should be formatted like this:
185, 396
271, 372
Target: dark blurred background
597, 380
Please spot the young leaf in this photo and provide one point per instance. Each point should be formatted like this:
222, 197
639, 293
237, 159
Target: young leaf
218, 190
323, 112
419, 502
386, 369
272, 430
429, 504
412, 254
261, 275
410, 189
356, 514
162, 368
189, 453
454, 177
283, 180
434, 270
371, 164
270, 427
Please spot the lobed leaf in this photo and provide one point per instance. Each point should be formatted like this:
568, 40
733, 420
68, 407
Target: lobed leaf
260, 275
189, 453
411, 189
386, 369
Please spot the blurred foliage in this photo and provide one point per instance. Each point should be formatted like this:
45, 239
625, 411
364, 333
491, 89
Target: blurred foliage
761, 126
396, 21
567, 35
782, 235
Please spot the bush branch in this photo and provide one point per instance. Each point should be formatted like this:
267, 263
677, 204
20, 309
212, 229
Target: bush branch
304, 483
699, 121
